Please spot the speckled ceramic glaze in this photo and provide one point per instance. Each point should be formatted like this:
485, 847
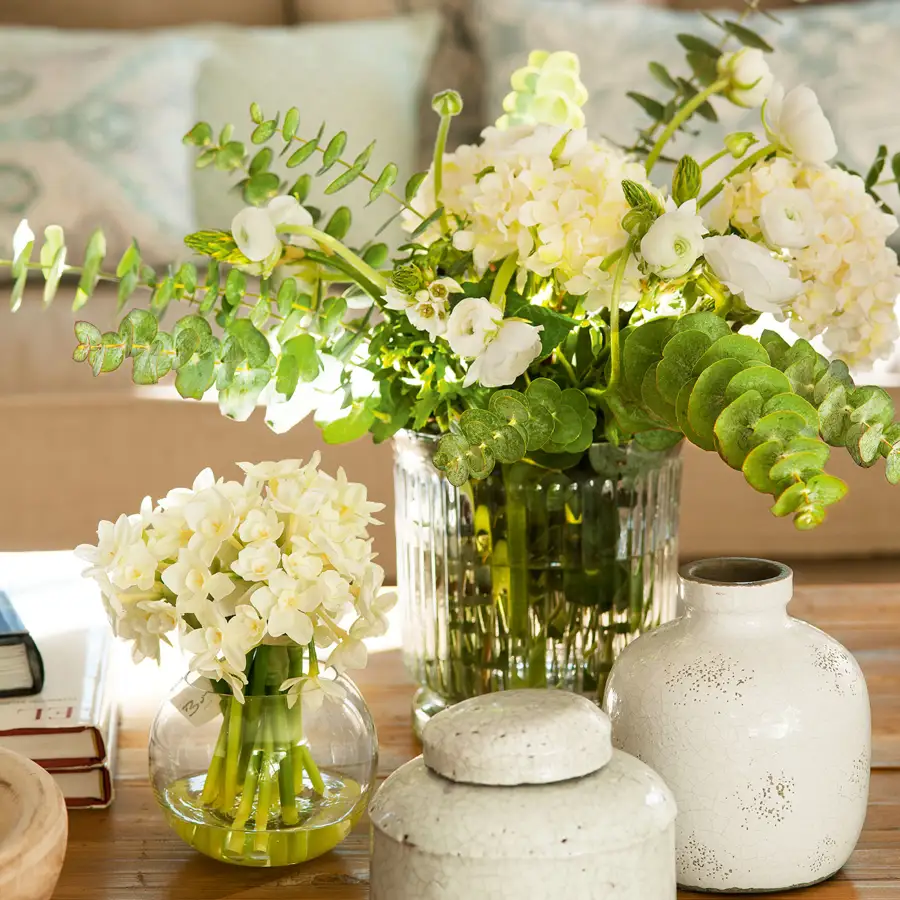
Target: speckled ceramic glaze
760, 725
520, 795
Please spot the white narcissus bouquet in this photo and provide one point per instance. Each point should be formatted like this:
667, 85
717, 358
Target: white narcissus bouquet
281, 558
554, 291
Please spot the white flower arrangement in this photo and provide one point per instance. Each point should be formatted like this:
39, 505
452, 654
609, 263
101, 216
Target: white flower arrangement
227, 566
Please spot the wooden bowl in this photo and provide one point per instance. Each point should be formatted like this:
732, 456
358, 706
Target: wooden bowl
33, 829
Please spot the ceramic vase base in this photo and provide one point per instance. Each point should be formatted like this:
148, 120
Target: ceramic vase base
775, 890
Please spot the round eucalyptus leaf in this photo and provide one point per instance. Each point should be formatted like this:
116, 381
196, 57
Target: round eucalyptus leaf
809, 517
758, 465
479, 426
544, 392
508, 445
710, 324
658, 439
681, 412
824, 490
783, 425
837, 373
643, 348
767, 381
654, 400
864, 443
802, 377
708, 398
480, 461
734, 428
792, 403
586, 438
790, 500
797, 465
575, 399
568, 425
680, 356
892, 470
539, 427
872, 405
735, 346
510, 406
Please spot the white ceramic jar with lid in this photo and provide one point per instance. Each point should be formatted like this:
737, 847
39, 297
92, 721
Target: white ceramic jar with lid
520, 794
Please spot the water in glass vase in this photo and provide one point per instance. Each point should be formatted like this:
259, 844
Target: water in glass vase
323, 822
536, 576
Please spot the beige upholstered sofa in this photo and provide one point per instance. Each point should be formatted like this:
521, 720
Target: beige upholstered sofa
73, 450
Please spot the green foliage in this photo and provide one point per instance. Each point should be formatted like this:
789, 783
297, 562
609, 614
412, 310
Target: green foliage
687, 180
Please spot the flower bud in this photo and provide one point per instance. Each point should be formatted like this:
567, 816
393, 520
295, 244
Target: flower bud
407, 278
447, 103
739, 142
750, 76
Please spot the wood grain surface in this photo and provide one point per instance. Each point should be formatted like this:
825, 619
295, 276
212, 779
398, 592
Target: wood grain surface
128, 851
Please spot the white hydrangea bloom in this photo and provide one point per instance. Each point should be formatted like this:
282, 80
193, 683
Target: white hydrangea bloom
851, 276
548, 194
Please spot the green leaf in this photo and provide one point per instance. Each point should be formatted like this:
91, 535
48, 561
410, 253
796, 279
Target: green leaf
139, 328
834, 416
339, 223
93, 259
544, 392
654, 400
331, 315
539, 427
734, 346
345, 179
450, 458
333, 152
892, 470
782, 426
287, 294
261, 161
680, 357
235, 287
264, 131
871, 405
658, 439
555, 325
413, 185
767, 381
127, 286
256, 113
287, 375
709, 323
776, 346
260, 188
568, 426
153, 363
704, 67
301, 187
864, 444
661, 74
303, 349
426, 223
877, 168
480, 461
681, 412
351, 427
479, 426
260, 313
790, 500
376, 255
747, 37
195, 379
758, 465
251, 341
239, 399
734, 428
643, 348
387, 177
211, 288
291, 123
302, 153
130, 261
508, 445
653, 108
200, 135
837, 373
687, 180
698, 45
53, 260
792, 403
708, 399
230, 156
826, 490
802, 458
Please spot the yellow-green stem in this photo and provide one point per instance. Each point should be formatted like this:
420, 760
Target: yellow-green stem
345, 253
440, 144
232, 756
615, 356
745, 164
501, 282
715, 158
683, 114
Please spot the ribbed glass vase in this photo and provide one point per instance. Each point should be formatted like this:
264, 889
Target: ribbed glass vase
534, 576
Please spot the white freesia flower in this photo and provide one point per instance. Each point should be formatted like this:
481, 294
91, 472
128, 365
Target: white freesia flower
796, 122
286, 605
515, 347
788, 219
473, 323
256, 562
313, 691
301, 564
212, 518
373, 604
751, 271
674, 242
194, 585
243, 631
350, 653
750, 76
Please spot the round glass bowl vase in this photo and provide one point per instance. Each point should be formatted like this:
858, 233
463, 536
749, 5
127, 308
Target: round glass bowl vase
267, 782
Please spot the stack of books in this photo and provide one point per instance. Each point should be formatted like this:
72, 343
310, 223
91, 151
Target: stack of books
69, 727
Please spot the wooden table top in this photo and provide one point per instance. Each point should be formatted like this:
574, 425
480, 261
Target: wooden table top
129, 852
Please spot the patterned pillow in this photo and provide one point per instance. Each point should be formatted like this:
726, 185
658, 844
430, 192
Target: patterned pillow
90, 134
847, 53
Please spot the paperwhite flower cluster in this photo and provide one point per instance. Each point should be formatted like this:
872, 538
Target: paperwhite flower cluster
548, 194
284, 556
834, 236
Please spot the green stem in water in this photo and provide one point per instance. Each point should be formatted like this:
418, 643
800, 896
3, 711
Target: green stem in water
265, 796
745, 164
232, 756
501, 282
284, 745
327, 241
683, 114
213, 775
440, 144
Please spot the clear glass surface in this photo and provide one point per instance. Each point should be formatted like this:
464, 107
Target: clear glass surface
532, 577
266, 782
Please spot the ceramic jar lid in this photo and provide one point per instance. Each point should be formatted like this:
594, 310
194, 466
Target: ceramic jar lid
519, 737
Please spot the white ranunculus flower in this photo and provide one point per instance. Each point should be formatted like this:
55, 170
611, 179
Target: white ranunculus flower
750, 270
256, 562
674, 241
516, 346
796, 122
473, 322
285, 211
789, 219
750, 76
254, 233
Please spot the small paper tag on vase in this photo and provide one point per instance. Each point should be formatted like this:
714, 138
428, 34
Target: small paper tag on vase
198, 702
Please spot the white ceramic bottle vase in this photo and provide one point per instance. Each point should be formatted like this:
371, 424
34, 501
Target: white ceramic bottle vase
758, 723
